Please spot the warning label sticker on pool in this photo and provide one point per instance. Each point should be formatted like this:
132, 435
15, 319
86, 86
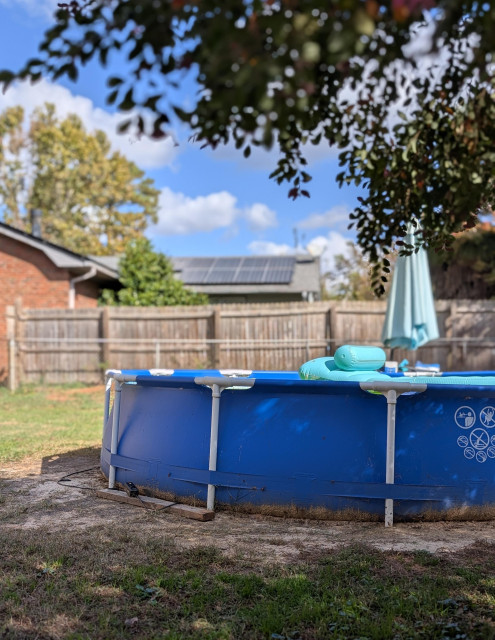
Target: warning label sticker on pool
478, 443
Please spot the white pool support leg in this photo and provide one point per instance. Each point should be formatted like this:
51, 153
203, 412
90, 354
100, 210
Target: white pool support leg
217, 385
115, 432
106, 410
391, 390
212, 464
390, 459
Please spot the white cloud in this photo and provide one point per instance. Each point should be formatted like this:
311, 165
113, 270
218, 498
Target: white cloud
180, 214
334, 217
146, 153
260, 217
266, 248
327, 247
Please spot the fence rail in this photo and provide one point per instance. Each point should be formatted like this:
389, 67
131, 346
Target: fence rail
61, 345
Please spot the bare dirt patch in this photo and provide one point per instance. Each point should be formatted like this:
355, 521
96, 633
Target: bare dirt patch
59, 395
31, 497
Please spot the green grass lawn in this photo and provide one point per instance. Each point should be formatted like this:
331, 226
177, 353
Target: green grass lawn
112, 582
38, 421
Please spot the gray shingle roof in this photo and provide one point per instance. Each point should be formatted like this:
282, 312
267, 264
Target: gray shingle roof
250, 274
59, 256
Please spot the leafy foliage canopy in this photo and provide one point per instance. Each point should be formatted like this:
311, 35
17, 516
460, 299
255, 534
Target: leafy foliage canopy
147, 279
92, 200
291, 73
349, 278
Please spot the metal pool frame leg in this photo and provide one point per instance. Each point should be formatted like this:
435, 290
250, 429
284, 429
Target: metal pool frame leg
119, 379
216, 392
106, 410
115, 432
391, 390
217, 385
390, 459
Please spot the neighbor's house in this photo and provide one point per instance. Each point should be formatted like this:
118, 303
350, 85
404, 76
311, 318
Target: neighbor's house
248, 278
252, 278
35, 273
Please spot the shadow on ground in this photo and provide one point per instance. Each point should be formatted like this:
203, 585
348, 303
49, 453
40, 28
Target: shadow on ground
71, 461
32, 497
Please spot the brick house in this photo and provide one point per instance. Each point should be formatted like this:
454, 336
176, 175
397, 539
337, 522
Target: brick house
35, 273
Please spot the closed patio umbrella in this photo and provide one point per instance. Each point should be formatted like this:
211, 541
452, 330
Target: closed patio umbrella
410, 320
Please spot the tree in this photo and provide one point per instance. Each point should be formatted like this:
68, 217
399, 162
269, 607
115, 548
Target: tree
468, 271
92, 200
350, 277
147, 279
296, 72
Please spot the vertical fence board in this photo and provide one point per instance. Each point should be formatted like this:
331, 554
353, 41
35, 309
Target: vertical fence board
60, 345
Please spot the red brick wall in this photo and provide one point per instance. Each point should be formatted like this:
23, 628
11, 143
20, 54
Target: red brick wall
28, 276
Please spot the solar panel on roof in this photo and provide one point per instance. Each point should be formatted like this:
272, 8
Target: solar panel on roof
240, 270
286, 262
249, 262
278, 276
193, 276
249, 276
200, 263
179, 262
227, 263
220, 276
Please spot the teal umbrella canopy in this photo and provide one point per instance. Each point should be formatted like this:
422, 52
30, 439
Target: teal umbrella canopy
410, 320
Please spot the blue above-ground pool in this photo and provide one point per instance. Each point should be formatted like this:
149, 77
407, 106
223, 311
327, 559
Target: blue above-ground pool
269, 438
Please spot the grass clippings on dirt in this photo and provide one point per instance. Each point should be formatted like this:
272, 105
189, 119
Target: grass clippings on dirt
109, 584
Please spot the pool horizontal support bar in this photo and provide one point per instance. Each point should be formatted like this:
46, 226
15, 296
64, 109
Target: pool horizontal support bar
224, 383
217, 385
440, 494
121, 377
391, 391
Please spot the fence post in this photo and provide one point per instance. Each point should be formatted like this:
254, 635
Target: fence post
329, 330
105, 334
450, 333
215, 334
12, 370
18, 335
12, 373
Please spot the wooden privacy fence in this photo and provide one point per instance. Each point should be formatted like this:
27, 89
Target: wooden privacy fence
62, 345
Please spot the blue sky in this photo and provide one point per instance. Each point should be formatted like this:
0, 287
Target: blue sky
212, 203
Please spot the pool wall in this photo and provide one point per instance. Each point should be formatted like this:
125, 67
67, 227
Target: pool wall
286, 441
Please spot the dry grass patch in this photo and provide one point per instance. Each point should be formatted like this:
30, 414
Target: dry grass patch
113, 583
